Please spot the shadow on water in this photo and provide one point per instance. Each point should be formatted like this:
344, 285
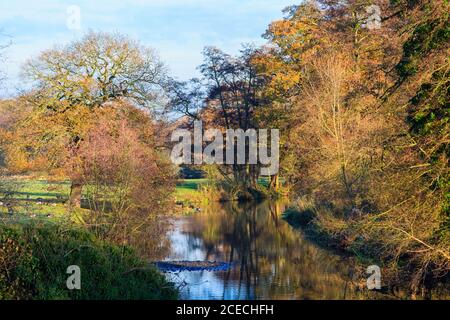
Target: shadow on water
270, 259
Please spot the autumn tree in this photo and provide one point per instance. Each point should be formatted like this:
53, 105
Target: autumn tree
417, 210
70, 82
368, 127
126, 176
226, 97
318, 46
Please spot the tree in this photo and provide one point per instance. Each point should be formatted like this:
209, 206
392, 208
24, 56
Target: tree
422, 222
72, 81
126, 177
101, 67
368, 122
226, 97
186, 97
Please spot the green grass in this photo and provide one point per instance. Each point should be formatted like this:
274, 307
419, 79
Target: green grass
189, 187
36, 255
38, 243
189, 190
188, 195
59, 190
36, 198
39, 189
264, 181
44, 199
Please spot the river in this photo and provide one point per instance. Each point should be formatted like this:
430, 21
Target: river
271, 259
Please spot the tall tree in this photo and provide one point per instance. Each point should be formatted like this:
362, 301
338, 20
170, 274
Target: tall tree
226, 97
72, 81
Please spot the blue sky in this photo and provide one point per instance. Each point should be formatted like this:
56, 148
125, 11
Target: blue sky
177, 29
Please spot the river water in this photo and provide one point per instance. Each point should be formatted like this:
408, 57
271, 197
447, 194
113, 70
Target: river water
271, 260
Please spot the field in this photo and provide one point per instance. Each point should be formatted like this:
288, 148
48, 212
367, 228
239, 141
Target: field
40, 198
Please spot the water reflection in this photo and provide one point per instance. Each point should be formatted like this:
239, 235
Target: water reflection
272, 260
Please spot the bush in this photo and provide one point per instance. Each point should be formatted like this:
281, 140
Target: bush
34, 259
299, 218
302, 213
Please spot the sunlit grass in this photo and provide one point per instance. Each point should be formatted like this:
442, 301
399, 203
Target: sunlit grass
35, 199
42, 198
188, 188
47, 199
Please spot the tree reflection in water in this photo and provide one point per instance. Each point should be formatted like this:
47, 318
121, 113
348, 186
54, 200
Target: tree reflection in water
272, 260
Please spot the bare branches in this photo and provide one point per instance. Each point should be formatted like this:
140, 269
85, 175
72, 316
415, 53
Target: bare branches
186, 98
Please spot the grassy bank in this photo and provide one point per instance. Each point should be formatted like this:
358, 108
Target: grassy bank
44, 198
35, 256
38, 197
39, 239
326, 228
35, 198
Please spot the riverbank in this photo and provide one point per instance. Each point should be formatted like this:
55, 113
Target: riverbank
188, 196
40, 239
38, 207
346, 238
36, 256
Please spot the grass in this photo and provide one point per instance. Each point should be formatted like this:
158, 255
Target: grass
189, 188
44, 199
35, 257
188, 195
37, 244
41, 198
41, 189
35, 198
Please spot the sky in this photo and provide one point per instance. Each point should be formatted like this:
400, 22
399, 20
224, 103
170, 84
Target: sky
177, 29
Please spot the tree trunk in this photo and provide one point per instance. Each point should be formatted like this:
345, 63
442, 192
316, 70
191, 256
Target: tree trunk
253, 176
274, 182
75, 194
